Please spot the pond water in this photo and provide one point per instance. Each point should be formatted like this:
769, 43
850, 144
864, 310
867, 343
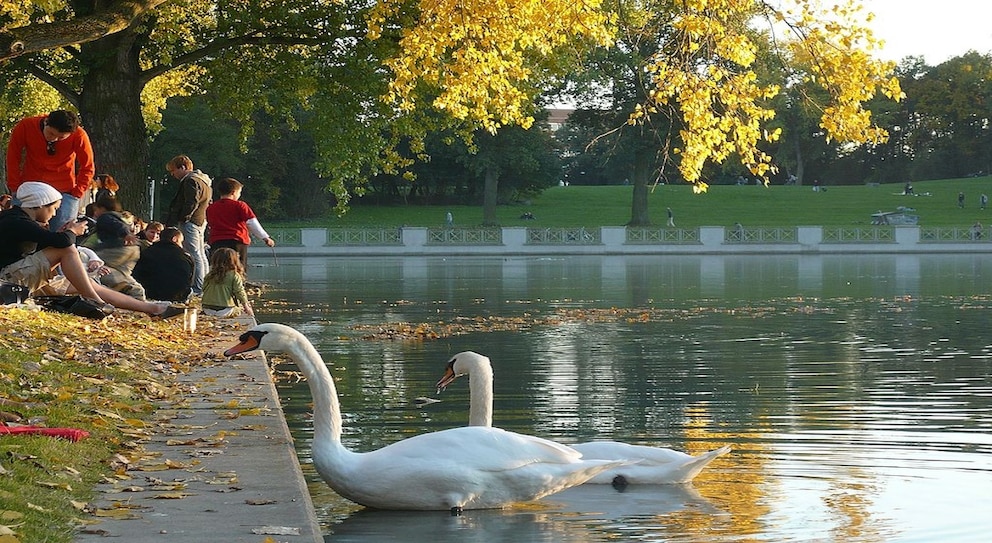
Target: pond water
855, 391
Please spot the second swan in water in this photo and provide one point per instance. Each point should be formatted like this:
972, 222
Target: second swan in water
649, 465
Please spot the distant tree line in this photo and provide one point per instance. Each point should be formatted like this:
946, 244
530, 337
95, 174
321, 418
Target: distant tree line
943, 129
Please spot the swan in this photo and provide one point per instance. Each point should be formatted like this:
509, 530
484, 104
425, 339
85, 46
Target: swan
649, 465
461, 468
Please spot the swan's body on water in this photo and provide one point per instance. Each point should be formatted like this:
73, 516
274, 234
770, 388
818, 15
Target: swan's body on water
461, 468
649, 465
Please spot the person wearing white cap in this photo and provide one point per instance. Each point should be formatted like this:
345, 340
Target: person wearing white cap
30, 253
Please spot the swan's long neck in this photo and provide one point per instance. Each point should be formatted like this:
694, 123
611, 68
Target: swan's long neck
326, 409
480, 382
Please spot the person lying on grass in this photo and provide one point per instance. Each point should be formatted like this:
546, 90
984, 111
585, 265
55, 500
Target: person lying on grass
30, 254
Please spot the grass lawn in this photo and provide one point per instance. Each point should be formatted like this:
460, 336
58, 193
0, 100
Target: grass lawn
723, 205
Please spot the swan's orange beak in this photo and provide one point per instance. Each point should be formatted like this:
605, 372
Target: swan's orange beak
249, 341
449, 377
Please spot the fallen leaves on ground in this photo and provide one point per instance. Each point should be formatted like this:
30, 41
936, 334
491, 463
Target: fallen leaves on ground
106, 377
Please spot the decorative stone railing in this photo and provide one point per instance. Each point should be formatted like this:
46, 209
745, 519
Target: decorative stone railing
869, 234
364, 236
563, 236
464, 236
943, 234
740, 234
649, 236
624, 240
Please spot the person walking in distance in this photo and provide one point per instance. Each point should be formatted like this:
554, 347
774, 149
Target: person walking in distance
188, 212
55, 150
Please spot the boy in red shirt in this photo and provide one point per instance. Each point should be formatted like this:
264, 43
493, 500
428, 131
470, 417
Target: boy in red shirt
231, 220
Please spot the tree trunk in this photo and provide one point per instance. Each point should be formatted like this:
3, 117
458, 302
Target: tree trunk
489, 196
799, 161
639, 215
110, 107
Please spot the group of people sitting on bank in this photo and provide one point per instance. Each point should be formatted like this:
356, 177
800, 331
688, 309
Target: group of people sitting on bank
109, 257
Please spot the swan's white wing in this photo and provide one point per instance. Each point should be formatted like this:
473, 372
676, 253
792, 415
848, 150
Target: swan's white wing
485, 448
616, 450
651, 465
471, 467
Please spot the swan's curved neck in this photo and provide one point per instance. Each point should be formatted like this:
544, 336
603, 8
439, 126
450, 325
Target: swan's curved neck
480, 382
326, 409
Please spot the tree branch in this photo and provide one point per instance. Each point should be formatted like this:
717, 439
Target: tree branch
223, 44
41, 36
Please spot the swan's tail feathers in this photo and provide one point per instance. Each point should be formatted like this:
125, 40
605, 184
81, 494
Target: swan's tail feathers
688, 471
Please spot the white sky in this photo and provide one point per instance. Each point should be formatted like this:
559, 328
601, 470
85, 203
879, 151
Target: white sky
935, 29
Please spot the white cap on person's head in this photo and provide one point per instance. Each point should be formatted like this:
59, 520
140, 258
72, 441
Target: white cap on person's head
37, 194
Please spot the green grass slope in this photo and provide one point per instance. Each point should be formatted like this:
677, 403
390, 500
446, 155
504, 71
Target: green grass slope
723, 205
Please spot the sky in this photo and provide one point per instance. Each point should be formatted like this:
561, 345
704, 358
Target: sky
937, 30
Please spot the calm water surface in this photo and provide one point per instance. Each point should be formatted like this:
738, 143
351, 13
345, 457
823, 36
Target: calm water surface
854, 390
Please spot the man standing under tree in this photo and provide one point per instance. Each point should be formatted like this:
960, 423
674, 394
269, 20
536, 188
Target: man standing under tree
188, 212
55, 150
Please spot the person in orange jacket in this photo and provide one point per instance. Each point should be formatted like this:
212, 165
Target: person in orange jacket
55, 150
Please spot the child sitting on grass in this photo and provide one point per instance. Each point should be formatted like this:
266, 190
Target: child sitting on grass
224, 286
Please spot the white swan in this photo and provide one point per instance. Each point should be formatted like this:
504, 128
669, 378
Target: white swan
649, 465
461, 468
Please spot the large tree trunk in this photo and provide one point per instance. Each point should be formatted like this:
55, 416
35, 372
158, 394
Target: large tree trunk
489, 195
799, 161
110, 107
639, 215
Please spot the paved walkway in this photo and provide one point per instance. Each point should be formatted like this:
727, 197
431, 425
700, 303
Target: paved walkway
220, 467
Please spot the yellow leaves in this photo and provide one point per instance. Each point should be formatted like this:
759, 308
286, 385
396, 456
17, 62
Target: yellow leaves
118, 512
8, 521
705, 80
172, 495
63, 371
470, 58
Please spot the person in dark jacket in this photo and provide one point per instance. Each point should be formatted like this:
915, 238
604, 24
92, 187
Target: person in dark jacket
30, 253
188, 212
165, 269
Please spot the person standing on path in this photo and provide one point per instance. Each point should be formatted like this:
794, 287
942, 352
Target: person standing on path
55, 150
188, 212
671, 217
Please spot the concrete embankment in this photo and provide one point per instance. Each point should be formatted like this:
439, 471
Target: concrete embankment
219, 466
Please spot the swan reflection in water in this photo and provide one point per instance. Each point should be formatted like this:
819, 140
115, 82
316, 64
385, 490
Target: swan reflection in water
570, 515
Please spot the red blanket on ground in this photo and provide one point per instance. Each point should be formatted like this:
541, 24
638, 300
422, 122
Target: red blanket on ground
72, 434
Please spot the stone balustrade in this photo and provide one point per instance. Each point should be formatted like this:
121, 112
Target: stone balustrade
520, 240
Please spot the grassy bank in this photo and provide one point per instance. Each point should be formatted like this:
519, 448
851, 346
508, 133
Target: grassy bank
103, 377
777, 205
